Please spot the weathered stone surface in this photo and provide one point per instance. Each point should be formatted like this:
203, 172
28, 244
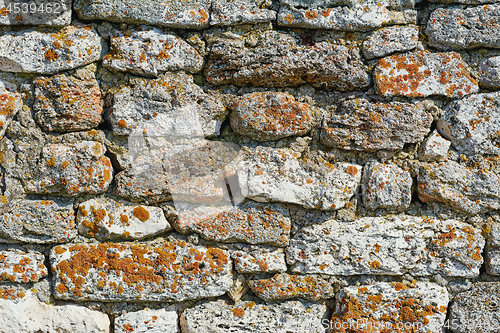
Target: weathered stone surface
271, 174
231, 12
173, 14
386, 186
108, 219
20, 266
149, 51
492, 252
251, 262
476, 310
171, 105
434, 148
66, 104
10, 104
391, 245
421, 74
489, 73
22, 312
460, 28
60, 12
285, 286
31, 51
38, 221
170, 271
254, 223
71, 169
391, 307
282, 59
238, 289
268, 116
286, 317
469, 191
345, 15
151, 321
360, 125
475, 123
389, 40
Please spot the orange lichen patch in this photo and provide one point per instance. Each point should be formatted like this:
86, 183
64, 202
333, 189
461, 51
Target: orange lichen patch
311, 15
375, 264
61, 288
56, 44
11, 293
128, 328
399, 286
122, 123
141, 213
51, 55
238, 312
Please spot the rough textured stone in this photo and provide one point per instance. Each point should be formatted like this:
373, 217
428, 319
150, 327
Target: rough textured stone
38, 221
469, 191
434, 148
20, 266
60, 12
386, 186
391, 307
31, 51
251, 262
10, 104
270, 116
151, 321
170, 271
254, 223
464, 28
72, 169
171, 105
108, 219
231, 12
66, 104
389, 40
475, 123
271, 174
492, 252
489, 73
173, 14
286, 317
148, 51
281, 59
238, 289
22, 312
285, 286
476, 310
360, 125
391, 245
345, 15
421, 74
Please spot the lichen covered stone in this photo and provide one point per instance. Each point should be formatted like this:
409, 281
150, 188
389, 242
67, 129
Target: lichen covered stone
434, 148
389, 40
259, 261
147, 320
232, 12
19, 266
10, 104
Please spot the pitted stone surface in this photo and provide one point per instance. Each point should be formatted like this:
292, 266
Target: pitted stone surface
148, 320
476, 310
271, 174
489, 73
231, 12
386, 186
22, 311
10, 104
171, 105
285, 317
252, 222
19, 266
467, 190
281, 59
255, 261
109, 219
66, 104
361, 125
38, 221
391, 245
71, 169
184, 14
32, 51
169, 271
475, 123
60, 12
285, 286
345, 15
434, 148
389, 40
389, 306
270, 116
148, 51
465, 28
421, 74
492, 252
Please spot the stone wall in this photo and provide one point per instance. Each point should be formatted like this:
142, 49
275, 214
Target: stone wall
249, 166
